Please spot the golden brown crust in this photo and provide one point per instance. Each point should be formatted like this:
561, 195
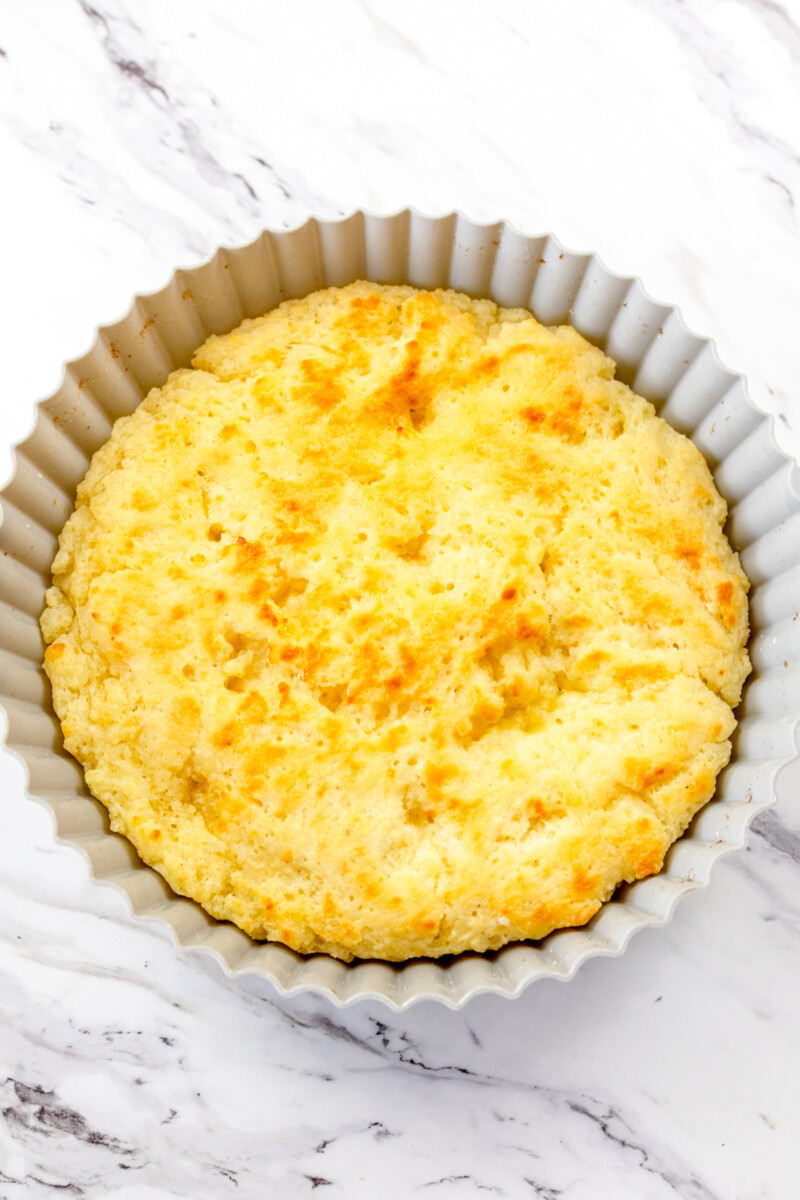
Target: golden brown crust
397, 627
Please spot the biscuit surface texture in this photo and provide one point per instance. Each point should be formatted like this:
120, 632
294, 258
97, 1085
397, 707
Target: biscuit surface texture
397, 627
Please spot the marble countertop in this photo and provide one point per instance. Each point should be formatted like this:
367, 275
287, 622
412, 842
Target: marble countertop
665, 136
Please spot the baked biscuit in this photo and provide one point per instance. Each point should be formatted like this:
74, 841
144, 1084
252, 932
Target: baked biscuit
397, 627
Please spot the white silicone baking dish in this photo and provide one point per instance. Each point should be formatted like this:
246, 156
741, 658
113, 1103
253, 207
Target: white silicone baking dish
678, 371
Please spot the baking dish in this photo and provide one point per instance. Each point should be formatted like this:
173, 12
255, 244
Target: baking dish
673, 368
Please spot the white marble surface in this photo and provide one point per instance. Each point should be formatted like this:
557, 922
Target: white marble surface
666, 136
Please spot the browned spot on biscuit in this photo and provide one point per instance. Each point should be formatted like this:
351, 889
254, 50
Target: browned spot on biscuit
437, 774
689, 554
488, 366
254, 707
321, 383
248, 554
528, 631
563, 420
649, 862
142, 500
584, 882
258, 589
725, 597
226, 736
641, 673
